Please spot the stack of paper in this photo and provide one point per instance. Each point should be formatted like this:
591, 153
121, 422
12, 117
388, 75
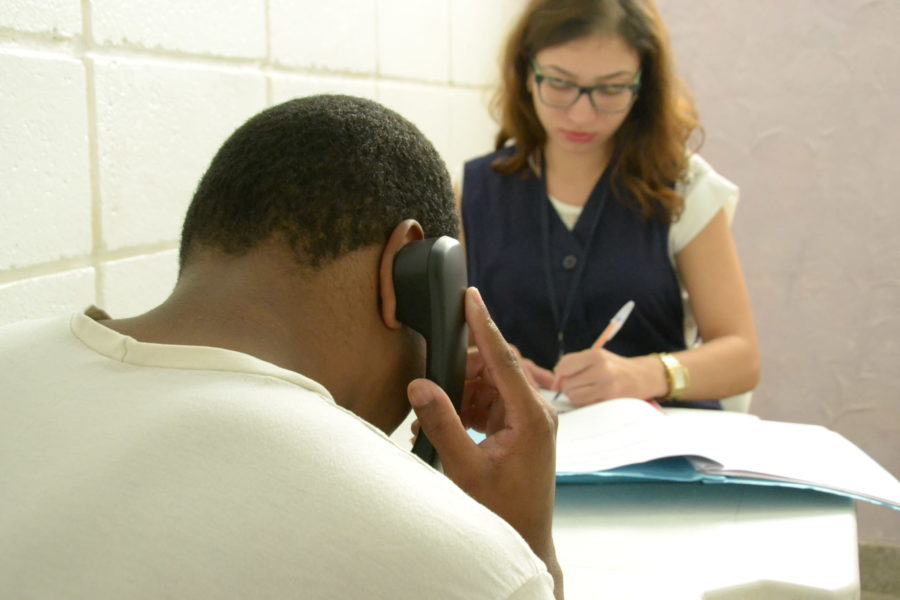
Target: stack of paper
629, 439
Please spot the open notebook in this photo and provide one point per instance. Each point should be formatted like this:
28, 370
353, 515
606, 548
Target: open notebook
631, 440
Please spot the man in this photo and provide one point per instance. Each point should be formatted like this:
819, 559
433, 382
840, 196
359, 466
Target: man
230, 443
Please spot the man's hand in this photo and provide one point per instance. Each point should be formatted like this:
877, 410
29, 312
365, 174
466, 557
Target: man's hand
513, 470
537, 376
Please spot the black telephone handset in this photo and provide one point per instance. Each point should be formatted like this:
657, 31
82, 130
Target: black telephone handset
430, 282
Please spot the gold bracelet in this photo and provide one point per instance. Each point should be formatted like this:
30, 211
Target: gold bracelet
677, 375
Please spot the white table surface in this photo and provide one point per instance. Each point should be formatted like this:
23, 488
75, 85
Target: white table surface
675, 540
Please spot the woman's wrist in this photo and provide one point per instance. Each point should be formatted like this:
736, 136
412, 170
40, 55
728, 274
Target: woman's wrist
678, 379
652, 382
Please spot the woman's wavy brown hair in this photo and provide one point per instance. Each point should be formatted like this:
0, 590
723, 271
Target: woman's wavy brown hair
651, 144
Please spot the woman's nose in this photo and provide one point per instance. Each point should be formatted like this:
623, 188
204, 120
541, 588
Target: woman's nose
583, 110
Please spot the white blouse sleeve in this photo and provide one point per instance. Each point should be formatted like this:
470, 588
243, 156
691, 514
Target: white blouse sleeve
705, 192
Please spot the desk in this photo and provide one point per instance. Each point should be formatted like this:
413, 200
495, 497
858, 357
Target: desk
674, 541
685, 541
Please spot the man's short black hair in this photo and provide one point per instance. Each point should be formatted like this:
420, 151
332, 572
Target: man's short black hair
330, 174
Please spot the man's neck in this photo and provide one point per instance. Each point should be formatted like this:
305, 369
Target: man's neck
292, 318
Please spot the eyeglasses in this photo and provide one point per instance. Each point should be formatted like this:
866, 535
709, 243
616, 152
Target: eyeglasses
606, 97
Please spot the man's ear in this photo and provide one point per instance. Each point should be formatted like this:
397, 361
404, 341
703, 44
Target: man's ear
404, 233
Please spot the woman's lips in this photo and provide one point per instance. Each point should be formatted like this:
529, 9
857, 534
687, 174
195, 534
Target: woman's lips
579, 137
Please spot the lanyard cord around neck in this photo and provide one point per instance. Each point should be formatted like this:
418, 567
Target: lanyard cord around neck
562, 320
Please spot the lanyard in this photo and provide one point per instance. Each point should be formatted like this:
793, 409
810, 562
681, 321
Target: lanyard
561, 320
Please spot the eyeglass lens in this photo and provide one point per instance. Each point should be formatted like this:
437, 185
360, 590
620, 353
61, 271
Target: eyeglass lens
559, 93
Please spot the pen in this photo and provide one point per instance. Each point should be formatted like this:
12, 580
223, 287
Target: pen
615, 324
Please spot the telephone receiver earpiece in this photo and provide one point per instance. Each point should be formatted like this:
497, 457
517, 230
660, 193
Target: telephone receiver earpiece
430, 284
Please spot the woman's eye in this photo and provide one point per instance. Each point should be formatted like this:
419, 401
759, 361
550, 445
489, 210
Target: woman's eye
559, 84
612, 89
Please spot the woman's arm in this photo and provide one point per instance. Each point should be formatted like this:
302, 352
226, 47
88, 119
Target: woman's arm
727, 363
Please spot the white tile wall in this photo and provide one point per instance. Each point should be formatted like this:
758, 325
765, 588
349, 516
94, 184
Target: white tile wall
45, 190
472, 130
338, 35
110, 111
59, 17
158, 125
231, 28
134, 285
414, 39
286, 87
477, 30
49, 295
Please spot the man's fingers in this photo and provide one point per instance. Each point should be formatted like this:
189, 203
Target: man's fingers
440, 423
474, 363
499, 360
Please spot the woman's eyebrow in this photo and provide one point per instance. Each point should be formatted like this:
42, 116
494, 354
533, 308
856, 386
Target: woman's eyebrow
599, 78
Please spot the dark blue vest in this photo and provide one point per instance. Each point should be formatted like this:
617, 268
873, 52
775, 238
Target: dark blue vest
627, 260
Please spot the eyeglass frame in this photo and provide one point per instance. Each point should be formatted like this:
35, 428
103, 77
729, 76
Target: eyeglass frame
539, 77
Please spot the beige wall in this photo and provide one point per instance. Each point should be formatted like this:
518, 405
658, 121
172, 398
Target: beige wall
801, 104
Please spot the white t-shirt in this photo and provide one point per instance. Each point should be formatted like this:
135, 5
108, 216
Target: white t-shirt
134, 470
705, 193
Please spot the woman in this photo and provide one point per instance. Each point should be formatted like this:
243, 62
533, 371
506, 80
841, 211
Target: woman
592, 199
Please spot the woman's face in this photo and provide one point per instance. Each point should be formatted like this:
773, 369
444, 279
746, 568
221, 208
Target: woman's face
589, 61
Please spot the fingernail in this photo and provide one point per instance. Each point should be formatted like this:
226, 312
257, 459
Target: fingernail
478, 300
417, 396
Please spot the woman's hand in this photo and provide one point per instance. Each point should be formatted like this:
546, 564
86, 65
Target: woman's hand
595, 375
